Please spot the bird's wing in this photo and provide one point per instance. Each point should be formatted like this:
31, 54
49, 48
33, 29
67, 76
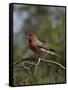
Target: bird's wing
48, 50
42, 46
38, 42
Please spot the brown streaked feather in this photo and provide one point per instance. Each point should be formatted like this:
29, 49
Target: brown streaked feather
45, 47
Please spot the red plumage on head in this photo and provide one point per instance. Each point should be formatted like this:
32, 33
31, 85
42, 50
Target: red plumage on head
32, 41
32, 37
30, 34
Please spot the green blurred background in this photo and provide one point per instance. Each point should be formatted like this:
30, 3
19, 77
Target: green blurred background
48, 22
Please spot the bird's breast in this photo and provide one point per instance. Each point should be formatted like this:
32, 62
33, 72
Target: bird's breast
34, 48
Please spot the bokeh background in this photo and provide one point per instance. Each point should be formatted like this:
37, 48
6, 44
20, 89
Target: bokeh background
48, 22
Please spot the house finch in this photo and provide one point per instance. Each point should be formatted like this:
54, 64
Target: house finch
38, 47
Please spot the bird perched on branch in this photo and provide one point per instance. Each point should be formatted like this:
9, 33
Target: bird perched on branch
38, 47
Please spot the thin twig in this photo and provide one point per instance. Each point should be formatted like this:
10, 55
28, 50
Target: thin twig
24, 59
22, 66
37, 65
29, 62
56, 63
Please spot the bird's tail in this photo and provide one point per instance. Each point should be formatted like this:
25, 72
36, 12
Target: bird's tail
56, 55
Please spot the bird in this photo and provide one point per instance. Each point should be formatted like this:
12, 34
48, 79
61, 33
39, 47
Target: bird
39, 48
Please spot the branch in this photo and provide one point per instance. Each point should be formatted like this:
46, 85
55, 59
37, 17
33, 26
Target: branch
53, 62
23, 67
25, 59
34, 59
29, 62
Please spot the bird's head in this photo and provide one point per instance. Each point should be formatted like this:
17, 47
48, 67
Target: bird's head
32, 37
31, 34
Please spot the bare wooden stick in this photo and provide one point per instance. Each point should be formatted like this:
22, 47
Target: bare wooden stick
24, 59
53, 62
23, 66
29, 62
37, 65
